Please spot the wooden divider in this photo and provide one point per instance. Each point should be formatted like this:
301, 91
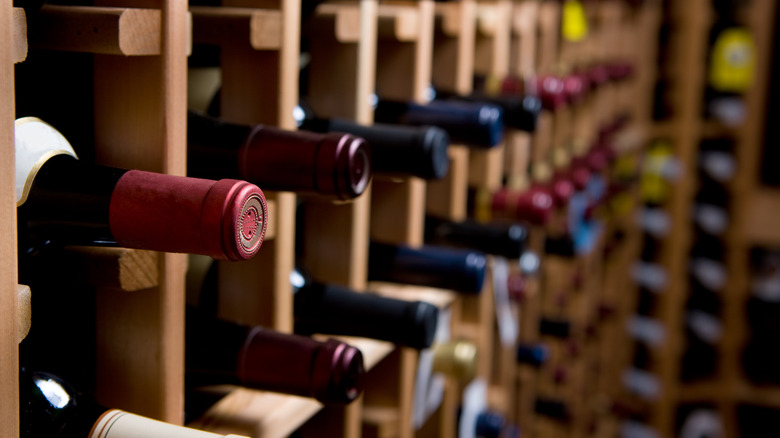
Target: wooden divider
10, 26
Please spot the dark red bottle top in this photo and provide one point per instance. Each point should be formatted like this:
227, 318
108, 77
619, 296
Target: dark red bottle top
575, 87
224, 219
560, 188
579, 172
551, 89
534, 205
335, 368
598, 75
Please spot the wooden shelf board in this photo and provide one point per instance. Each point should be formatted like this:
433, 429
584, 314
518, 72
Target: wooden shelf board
261, 28
383, 418
19, 47
121, 269
448, 16
441, 298
342, 18
258, 414
23, 311
400, 22
100, 30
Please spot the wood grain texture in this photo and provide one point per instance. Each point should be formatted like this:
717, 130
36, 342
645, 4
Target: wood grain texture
257, 413
9, 351
142, 125
261, 28
23, 311
103, 30
121, 269
447, 198
19, 46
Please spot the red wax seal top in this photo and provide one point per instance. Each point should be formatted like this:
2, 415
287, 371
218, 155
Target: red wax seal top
224, 219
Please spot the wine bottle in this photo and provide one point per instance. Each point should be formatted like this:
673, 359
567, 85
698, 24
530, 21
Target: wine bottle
651, 276
647, 330
700, 357
730, 70
456, 358
716, 161
430, 265
520, 112
535, 205
50, 407
336, 310
396, 150
507, 239
489, 424
635, 429
532, 354
641, 383
332, 165
65, 200
552, 408
472, 124
554, 327
223, 352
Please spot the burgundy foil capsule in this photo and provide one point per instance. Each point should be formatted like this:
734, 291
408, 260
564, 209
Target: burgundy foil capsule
515, 284
562, 189
578, 173
224, 219
598, 75
552, 91
619, 71
329, 164
534, 205
575, 87
596, 160
335, 369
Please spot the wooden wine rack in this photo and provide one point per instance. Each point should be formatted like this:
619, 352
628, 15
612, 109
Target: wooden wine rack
396, 48
749, 208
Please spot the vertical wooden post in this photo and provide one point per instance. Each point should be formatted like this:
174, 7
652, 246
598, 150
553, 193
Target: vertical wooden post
9, 352
142, 125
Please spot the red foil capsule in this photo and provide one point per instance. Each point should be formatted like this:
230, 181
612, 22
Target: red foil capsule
334, 369
224, 219
333, 163
598, 75
534, 205
552, 91
575, 86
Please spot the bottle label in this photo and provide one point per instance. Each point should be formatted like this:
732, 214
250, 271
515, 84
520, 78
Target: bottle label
35, 141
120, 424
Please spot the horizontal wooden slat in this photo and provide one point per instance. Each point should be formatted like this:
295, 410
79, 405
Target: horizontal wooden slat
114, 268
103, 30
341, 19
449, 15
441, 298
487, 19
23, 311
257, 414
19, 49
398, 22
261, 28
